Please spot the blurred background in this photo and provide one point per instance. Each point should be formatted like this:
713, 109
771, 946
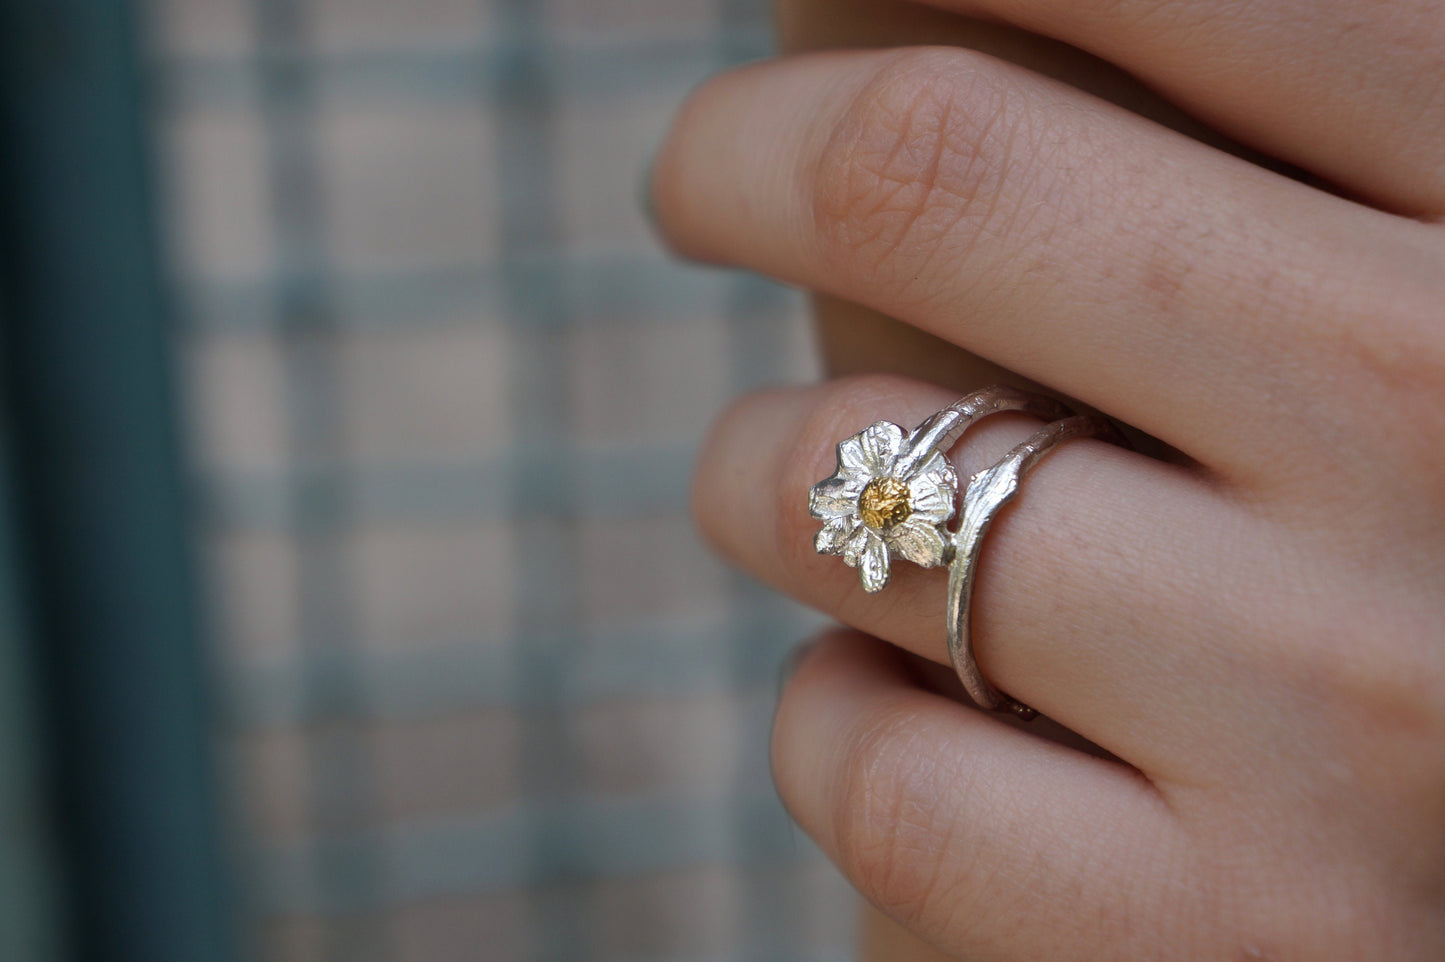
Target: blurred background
349, 606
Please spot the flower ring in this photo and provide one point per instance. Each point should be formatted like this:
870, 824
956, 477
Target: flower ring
880, 504
894, 495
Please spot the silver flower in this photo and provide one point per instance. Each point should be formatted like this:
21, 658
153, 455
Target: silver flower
884, 502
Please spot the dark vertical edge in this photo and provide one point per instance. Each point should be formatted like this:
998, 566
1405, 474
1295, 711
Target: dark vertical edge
30, 909
103, 538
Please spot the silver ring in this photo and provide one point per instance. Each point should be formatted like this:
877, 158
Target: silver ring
988, 491
893, 495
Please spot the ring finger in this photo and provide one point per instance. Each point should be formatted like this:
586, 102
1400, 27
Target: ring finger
1099, 589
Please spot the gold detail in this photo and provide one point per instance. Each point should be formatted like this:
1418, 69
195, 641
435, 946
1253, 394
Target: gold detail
884, 503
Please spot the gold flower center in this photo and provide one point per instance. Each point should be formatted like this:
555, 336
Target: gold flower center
884, 503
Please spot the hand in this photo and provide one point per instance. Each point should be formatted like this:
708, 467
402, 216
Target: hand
1256, 636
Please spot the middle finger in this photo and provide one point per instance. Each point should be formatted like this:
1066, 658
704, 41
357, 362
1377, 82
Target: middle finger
1176, 287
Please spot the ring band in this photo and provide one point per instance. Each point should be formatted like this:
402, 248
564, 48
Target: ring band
988, 491
894, 494
942, 431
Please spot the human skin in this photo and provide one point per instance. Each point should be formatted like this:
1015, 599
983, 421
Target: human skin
854, 339
1253, 633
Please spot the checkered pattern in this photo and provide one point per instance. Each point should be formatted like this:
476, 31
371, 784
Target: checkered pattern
489, 698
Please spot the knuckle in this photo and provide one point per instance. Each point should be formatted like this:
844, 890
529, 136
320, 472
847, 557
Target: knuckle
891, 828
1389, 693
1400, 361
913, 167
1364, 367
1378, 678
1377, 347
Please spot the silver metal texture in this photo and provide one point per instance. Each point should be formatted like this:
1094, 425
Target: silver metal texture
905, 485
988, 491
893, 495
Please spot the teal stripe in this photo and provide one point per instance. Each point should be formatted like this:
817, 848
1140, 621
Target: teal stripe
103, 537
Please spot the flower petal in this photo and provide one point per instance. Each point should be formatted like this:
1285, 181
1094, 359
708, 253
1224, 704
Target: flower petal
835, 535
833, 498
882, 442
870, 452
857, 543
852, 459
939, 468
931, 502
933, 490
917, 541
874, 570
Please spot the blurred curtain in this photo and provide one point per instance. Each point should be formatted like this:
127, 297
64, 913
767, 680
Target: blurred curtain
107, 791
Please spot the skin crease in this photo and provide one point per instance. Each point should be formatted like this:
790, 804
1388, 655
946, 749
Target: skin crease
1258, 636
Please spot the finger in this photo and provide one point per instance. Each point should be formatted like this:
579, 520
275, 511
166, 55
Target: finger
1179, 289
987, 842
1354, 92
851, 24
1095, 585
855, 340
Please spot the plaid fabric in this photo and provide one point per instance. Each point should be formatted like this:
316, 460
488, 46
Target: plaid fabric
489, 698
